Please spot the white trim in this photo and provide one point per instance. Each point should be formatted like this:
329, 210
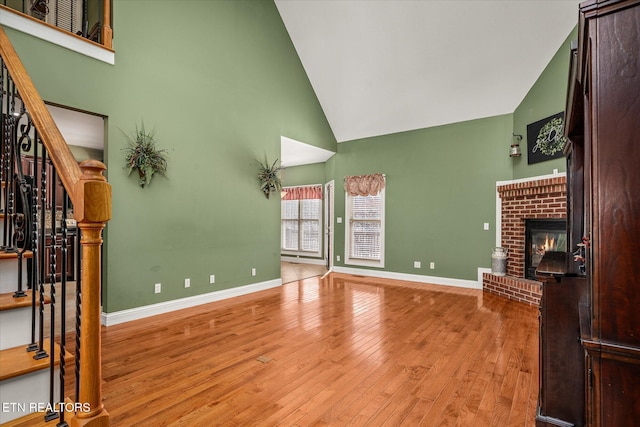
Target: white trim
460, 283
531, 179
110, 319
329, 226
498, 219
347, 234
55, 36
319, 253
295, 254
499, 200
297, 260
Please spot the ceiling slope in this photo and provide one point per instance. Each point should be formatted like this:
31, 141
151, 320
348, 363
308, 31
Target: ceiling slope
385, 66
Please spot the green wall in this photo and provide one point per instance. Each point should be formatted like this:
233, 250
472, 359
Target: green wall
440, 190
220, 82
545, 98
305, 175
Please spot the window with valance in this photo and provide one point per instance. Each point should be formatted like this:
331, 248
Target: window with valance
364, 239
301, 220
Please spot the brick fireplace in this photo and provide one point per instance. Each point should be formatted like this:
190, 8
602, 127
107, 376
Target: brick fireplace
532, 199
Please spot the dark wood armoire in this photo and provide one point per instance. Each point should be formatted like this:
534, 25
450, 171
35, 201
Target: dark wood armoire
590, 314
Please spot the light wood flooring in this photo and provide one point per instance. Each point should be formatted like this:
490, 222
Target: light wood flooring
342, 351
293, 271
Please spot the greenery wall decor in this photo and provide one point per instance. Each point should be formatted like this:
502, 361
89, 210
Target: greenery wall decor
269, 176
142, 154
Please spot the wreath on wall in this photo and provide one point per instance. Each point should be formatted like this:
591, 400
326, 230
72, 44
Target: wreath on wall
550, 138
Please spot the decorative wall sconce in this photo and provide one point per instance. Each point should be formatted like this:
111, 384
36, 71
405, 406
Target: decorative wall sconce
514, 151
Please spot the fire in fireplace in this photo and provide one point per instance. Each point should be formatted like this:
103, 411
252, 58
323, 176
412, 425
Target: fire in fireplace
542, 235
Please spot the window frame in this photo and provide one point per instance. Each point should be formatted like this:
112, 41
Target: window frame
300, 221
348, 259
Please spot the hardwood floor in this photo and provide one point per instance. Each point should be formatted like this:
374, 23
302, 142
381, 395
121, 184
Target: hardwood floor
343, 351
293, 271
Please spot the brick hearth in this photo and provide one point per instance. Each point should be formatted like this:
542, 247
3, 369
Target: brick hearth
542, 198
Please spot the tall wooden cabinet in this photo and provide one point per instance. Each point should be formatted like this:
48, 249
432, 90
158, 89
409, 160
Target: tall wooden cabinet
603, 127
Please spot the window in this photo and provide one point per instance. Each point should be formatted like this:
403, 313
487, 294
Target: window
301, 216
365, 230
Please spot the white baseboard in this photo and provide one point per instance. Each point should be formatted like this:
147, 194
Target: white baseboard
297, 260
110, 319
411, 277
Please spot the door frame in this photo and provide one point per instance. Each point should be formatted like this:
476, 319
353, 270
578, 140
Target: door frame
329, 189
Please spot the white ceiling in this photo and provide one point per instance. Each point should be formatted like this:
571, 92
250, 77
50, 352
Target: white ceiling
387, 66
296, 153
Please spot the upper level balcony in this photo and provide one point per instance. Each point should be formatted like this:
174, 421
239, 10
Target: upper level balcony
80, 25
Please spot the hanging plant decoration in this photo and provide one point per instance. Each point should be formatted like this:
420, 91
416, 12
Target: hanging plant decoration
269, 176
142, 154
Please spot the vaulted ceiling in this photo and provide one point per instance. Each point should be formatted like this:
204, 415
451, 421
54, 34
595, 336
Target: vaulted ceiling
387, 66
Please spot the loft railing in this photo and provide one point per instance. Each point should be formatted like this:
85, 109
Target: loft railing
90, 19
40, 190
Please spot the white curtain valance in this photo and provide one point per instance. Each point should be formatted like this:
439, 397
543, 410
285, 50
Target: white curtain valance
364, 185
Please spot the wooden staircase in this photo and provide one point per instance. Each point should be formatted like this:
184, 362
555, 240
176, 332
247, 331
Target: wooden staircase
24, 380
41, 381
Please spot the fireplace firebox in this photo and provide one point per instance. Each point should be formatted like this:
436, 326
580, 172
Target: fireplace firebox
542, 235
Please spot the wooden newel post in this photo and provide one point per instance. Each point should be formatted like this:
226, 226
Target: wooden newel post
94, 210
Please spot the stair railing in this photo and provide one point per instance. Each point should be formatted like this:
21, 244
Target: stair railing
87, 191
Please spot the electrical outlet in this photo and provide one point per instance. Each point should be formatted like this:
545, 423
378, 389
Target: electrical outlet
486, 225
253, 271
417, 264
432, 265
212, 279
158, 288
187, 283
338, 258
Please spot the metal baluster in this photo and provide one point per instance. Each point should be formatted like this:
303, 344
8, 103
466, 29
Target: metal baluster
6, 163
2, 148
6, 144
42, 353
78, 306
9, 172
22, 232
51, 415
85, 19
35, 247
63, 301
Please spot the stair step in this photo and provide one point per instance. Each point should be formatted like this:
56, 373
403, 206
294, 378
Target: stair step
9, 268
16, 321
24, 381
17, 361
36, 419
8, 302
13, 255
